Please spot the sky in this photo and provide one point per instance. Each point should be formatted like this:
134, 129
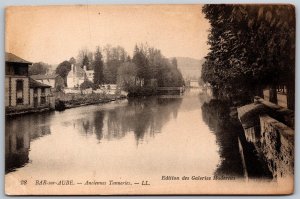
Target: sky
53, 34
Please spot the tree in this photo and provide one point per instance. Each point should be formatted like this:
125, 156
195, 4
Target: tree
174, 62
128, 59
39, 68
98, 68
127, 74
59, 83
72, 61
85, 58
141, 62
85, 61
115, 56
107, 52
63, 70
87, 84
251, 47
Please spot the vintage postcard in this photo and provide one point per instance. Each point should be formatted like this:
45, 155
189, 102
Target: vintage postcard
149, 99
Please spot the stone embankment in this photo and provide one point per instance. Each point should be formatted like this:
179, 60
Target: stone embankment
270, 128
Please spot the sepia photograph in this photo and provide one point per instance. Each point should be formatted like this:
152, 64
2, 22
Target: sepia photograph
157, 99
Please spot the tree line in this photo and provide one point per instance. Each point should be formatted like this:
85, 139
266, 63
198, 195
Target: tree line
251, 47
146, 70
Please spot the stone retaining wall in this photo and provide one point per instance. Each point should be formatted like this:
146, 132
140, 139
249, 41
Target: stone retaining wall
276, 143
269, 128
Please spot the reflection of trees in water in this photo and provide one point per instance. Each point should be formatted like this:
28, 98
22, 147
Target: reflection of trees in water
98, 121
141, 116
19, 132
216, 115
86, 126
146, 116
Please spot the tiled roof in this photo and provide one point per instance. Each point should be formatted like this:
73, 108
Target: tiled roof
36, 84
9, 57
38, 77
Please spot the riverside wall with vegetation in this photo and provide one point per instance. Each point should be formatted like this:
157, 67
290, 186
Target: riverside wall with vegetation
72, 100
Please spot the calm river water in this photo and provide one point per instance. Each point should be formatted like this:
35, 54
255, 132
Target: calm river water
148, 137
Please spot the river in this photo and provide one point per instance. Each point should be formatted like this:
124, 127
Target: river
147, 138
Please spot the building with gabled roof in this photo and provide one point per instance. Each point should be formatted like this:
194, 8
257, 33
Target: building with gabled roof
22, 92
48, 79
12, 58
75, 77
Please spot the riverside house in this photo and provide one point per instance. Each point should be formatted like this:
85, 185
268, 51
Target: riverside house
48, 79
22, 93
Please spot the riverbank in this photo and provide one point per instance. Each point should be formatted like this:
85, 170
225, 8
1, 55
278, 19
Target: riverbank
72, 100
268, 128
66, 101
14, 111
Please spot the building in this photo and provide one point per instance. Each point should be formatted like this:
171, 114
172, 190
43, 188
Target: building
21, 91
16, 81
46, 79
78, 75
194, 83
75, 77
40, 94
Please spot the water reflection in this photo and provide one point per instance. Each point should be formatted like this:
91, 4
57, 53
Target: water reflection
150, 136
140, 116
98, 121
215, 113
19, 133
228, 130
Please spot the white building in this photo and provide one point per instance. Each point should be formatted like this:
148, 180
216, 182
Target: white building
75, 77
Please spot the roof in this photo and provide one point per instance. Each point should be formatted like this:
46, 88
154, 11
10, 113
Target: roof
36, 84
9, 57
80, 73
39, 77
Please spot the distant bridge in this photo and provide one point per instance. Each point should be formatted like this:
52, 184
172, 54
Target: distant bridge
170, 90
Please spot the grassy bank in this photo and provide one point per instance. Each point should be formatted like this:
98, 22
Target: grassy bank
72, 100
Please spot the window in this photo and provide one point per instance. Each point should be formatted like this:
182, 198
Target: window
43, 96
43, 100
21, 70
19, 91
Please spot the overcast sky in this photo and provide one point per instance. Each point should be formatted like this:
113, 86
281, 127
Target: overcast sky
53, 34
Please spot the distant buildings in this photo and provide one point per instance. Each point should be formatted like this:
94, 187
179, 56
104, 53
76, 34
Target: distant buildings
194, 83
77, 76
21, 91
46, 79
39, 94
